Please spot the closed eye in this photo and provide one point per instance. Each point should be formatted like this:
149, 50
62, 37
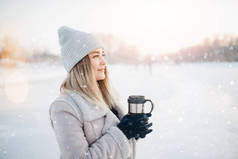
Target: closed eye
95, 56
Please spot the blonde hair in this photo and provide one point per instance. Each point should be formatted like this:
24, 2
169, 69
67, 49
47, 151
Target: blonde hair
82, 80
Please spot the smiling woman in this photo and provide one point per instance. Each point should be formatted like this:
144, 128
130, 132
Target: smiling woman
98, 63
86, 117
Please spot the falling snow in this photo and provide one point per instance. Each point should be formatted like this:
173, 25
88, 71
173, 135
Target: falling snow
83, 86
195, 115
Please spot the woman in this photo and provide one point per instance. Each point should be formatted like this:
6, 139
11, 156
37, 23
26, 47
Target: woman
86, 118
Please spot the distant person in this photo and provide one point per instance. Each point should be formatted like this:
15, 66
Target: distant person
88, 121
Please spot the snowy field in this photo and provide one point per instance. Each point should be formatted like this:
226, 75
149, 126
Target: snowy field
195, 115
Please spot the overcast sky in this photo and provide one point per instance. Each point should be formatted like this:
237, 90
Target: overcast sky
155, 26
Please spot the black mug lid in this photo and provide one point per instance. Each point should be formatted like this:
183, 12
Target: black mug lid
136, 99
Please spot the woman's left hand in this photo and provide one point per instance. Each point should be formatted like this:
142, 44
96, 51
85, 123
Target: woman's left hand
144, 129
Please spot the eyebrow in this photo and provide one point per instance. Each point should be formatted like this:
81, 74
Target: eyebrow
97, 51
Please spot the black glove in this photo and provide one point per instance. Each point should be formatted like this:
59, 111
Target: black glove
144, 129
135, 125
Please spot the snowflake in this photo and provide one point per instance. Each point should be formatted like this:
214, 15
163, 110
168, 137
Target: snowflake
232, 83
180, 119
20, 116
83, 86
231, 48
219, 86
12, 134
206, 122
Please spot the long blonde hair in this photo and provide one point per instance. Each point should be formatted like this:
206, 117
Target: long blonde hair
82, 80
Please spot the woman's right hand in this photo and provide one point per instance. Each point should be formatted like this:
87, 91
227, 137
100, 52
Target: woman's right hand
135, 125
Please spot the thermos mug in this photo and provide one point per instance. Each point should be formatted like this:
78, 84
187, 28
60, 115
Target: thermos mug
136, 104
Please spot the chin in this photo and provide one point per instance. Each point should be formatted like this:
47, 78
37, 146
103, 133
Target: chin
100, 78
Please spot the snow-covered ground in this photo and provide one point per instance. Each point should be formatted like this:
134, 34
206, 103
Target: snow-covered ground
195, 115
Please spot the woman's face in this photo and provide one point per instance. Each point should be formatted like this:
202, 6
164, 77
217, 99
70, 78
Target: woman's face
98, 63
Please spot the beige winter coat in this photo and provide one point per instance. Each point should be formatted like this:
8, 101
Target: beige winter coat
86, 131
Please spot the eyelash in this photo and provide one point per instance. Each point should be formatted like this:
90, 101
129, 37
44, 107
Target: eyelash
98, 56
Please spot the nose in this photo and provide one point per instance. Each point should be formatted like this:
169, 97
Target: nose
103, 61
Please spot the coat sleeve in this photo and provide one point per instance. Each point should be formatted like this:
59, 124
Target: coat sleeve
68, 128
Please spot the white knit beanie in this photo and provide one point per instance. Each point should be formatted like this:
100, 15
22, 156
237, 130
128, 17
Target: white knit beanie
75, 45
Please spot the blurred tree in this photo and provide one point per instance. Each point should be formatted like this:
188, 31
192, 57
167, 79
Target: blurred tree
12, 51
117, 51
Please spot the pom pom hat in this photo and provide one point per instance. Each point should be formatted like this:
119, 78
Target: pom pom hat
75, 45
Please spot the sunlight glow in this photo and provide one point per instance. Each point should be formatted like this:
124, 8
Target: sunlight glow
16, 87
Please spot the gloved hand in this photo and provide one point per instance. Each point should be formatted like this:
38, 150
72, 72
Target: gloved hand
135, 125
144, 130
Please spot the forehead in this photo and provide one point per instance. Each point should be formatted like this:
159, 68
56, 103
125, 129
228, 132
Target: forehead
98, 50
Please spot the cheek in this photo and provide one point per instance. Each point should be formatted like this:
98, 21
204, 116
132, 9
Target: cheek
94, 65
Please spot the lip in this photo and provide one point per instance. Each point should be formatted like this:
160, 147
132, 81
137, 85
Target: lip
101, 69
